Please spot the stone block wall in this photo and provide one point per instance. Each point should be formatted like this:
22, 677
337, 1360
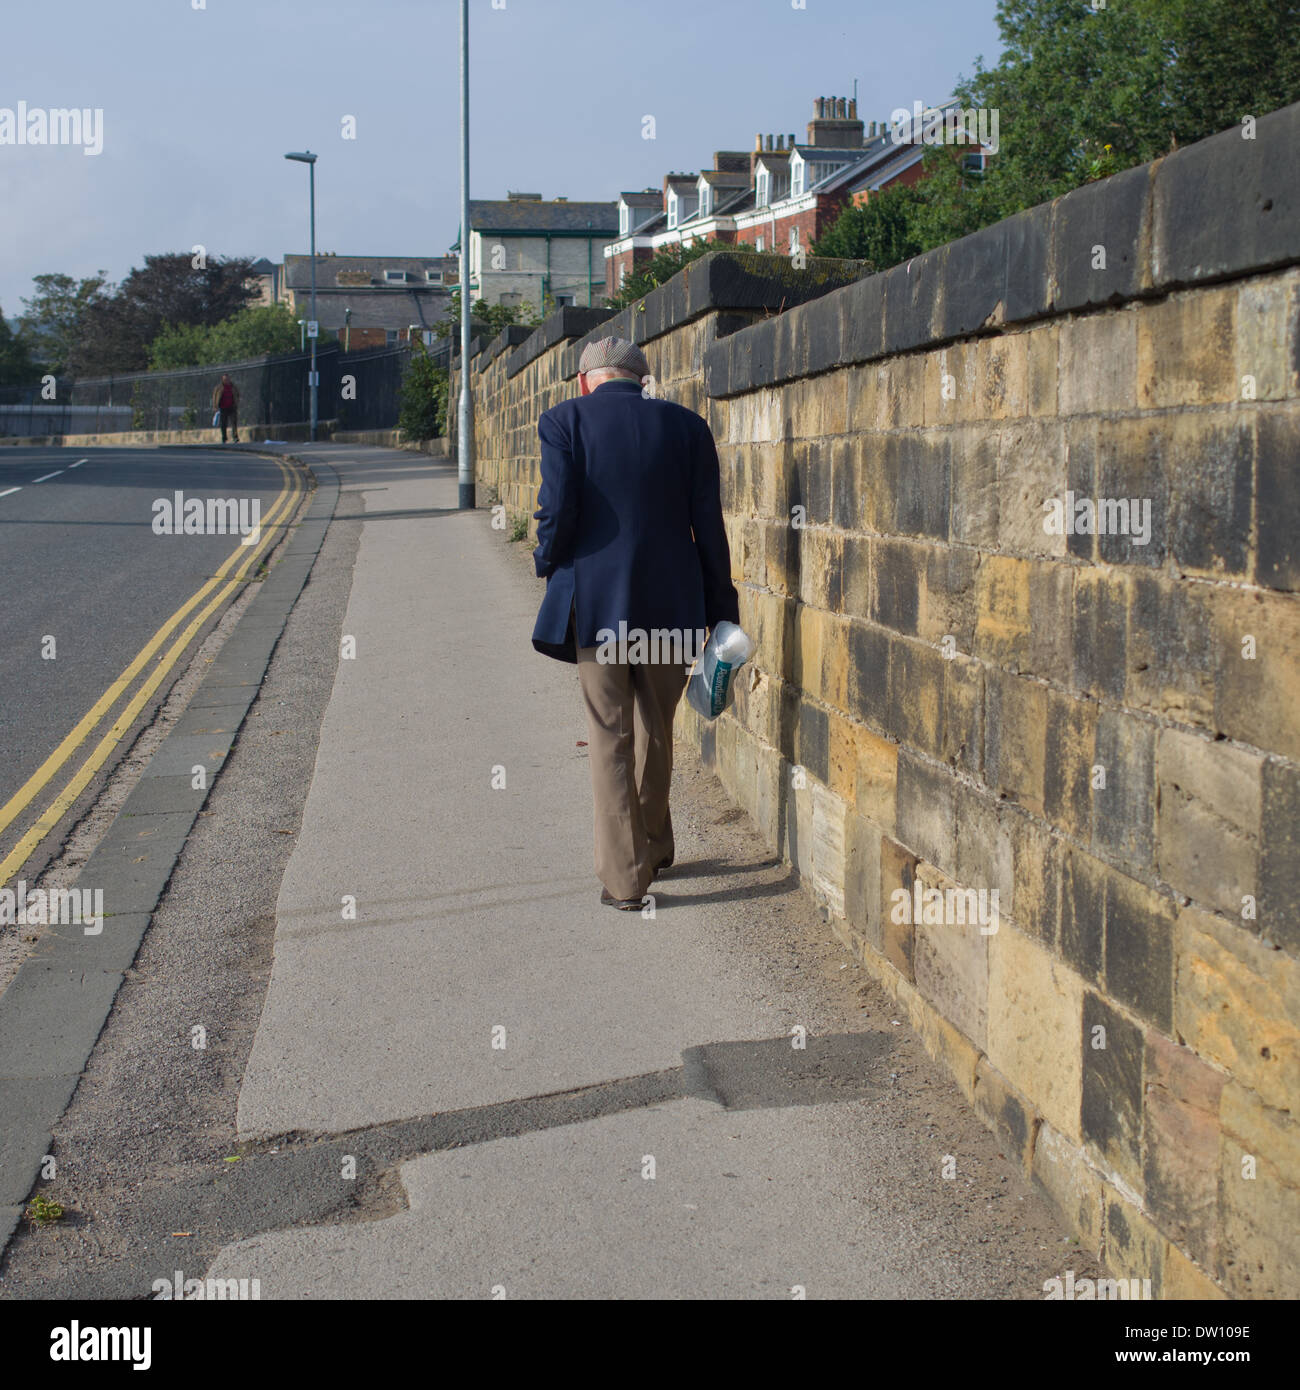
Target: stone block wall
961, 684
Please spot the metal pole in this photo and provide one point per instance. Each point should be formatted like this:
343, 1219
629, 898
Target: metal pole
465, 411
315, 321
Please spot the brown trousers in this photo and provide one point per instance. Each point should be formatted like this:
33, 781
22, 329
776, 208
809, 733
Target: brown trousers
630, 747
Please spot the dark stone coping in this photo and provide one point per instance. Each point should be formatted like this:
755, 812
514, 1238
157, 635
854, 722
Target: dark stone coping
476, 345
722, 280
569, 322
1216, 210
719, 282
510, 337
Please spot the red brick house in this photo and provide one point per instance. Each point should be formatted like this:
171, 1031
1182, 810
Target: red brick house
782, 195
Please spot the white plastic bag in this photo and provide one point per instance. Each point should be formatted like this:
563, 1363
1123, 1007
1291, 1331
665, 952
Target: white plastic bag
710, 689
216, 419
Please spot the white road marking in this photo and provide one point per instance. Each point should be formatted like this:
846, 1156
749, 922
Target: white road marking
9, 490
78, 463
48, 476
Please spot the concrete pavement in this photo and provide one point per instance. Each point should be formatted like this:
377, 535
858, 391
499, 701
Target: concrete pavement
439, 948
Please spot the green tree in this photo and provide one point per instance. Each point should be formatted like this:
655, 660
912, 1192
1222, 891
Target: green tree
16, 365
253, 332
115, 333
179, 345
880, 231
485, 317
423, 413
661, 268
52, 317
1082, 93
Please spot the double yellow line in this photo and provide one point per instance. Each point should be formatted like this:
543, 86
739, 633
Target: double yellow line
216, 590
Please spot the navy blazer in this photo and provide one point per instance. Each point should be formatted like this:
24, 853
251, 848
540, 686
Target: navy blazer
629, 521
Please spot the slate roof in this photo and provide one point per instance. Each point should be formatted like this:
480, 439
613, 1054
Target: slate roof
525, 218
386, 309
297, 269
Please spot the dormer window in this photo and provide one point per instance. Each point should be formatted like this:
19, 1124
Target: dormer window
624, 218
704, 198
672, 208
434, 277
764, 194
796, 177
394, 277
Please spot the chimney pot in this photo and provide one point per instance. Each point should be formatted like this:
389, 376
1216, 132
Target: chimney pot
853, 108
769, 143
792, 139
758, 141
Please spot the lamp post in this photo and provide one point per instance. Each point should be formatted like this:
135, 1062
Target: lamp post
309, 159
465, 410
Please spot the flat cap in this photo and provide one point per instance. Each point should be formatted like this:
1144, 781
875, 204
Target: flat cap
613, 352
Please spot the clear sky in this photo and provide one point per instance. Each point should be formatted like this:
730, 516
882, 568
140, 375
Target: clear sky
200, 104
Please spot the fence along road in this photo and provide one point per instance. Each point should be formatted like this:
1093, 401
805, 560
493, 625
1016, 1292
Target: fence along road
92, 592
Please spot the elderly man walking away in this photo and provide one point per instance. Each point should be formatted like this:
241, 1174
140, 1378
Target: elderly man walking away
631, 542
225, 398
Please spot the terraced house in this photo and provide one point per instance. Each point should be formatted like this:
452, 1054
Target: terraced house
781, 195
547, 254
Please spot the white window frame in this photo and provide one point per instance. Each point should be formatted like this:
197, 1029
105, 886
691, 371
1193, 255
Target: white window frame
434, 277
794, 239
624, 219
394, 277
797, 178
763, 189
672, 208
760, 244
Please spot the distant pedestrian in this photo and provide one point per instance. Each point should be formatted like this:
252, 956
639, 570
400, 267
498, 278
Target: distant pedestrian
631, 542
225, 398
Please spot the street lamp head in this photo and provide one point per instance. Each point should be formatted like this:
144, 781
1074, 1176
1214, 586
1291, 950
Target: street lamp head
306, 157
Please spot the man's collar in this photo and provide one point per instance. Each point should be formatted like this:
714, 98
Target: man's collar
618, 381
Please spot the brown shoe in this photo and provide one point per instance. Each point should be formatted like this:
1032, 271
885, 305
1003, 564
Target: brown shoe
623, 904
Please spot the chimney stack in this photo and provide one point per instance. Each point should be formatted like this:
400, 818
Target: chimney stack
834, 125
